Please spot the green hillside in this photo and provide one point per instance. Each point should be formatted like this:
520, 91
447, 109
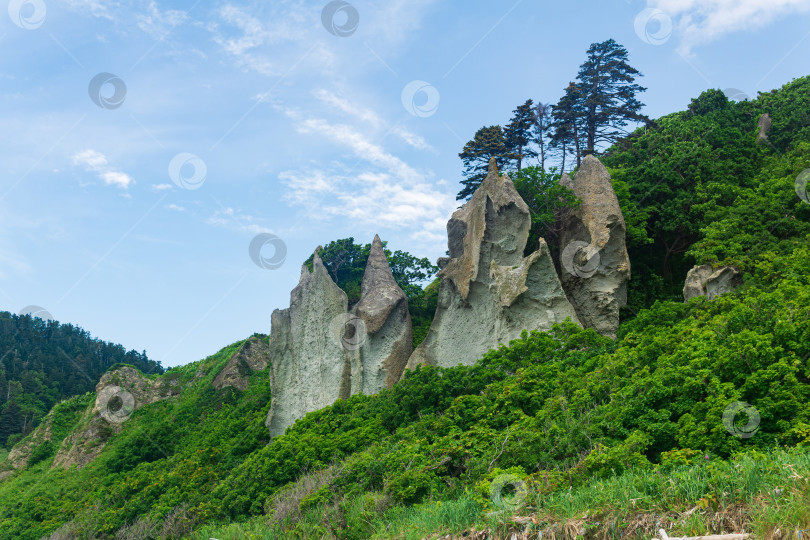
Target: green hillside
43, 362
697, 418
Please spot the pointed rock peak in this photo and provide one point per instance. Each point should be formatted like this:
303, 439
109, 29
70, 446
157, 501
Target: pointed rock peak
376, 259
589, 161
379, 291
493, 167
566, 181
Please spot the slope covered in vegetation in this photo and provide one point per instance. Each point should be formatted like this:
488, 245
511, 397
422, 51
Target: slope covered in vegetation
698, 415
43, 362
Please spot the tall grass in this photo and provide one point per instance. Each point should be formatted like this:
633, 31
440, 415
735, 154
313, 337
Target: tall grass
765, 494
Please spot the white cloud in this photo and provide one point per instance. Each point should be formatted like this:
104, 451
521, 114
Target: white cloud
94, 8
159, 23
91, 159
229, 218
255, 37
116, 178
347, 107
369, 118
175, 207
389, 194
412, 139
97, 162
161, 187
702, 21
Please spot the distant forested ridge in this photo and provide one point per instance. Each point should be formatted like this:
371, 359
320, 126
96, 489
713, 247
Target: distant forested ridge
43, 362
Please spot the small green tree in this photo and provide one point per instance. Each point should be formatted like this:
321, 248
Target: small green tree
488, 142
549, 203
518, 134
542, 129
566, 117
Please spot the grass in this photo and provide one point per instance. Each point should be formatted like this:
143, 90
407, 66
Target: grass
765, 494
3, 454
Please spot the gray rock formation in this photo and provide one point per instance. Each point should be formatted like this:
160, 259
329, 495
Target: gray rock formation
118, 394
253, 356
309, 369
764, 126
321, 352
594, 266
710, 282
388, 341
489, 292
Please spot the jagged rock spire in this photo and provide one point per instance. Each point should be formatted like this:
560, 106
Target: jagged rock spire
489, 292
594, 265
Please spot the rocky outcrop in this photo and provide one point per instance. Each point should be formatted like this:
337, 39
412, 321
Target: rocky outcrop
387, 342
19, 454
489, 292
763, 126
594, 265
707, 281
252, 356
119, 393
320, 351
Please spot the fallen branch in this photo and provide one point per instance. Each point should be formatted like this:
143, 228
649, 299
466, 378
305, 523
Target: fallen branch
740, 536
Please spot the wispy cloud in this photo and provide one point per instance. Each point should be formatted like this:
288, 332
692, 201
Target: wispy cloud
94, 8
369, 118
97, 163
159, 23
702, 21
252, 37
161, 187
236, 220
385, 191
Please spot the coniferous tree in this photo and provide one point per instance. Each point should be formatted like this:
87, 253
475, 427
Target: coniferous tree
608, 94
518, 134
542, 129
488, 142
566, 119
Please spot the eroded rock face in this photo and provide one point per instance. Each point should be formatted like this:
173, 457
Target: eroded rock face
594, 266
387, 340
489, 292
309, 370
253, 356
119, 393
764, 126
19, 454
710, 282
321, 352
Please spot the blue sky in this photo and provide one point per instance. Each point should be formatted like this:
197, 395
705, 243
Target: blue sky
285, 126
